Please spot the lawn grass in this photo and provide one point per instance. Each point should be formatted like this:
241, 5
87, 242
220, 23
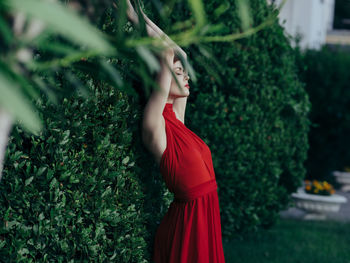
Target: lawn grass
293, 241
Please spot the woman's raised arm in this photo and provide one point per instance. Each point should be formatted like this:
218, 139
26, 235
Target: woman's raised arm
179, 104
161, 33
156, 30
153, 123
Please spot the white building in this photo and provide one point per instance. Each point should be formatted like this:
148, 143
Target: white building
312, 20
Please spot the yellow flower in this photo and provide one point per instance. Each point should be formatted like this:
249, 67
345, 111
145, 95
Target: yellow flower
318, 185
327, 186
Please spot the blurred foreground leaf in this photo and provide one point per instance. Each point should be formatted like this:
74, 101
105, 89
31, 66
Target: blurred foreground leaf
17, 105
64, 21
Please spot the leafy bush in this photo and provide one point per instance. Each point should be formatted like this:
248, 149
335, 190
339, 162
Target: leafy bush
326, 74
71, 193
86, 189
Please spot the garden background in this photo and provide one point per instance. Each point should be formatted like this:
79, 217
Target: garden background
84, 188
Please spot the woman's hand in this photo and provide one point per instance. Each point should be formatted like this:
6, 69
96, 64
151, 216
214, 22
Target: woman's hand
153, 30
167, 56
132, 15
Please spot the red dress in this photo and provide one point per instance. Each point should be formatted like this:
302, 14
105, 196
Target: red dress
190, 231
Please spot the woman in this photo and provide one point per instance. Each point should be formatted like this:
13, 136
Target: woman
190, 231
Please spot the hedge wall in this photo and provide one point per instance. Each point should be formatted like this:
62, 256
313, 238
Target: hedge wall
86, 189
327, 77
72, 193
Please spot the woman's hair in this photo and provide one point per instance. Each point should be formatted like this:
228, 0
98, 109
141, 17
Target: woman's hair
176, 58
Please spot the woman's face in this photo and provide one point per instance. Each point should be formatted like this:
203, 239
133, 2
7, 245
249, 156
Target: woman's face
183, 78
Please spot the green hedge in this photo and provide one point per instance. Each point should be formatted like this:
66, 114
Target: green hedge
87, 190
327, 77
71, 193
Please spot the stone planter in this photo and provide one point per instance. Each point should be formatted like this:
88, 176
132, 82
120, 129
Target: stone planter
343, 178
317, 206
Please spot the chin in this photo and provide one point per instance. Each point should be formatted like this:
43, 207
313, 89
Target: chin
184, 95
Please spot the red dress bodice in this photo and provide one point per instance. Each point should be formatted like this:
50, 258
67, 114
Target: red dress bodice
190, 231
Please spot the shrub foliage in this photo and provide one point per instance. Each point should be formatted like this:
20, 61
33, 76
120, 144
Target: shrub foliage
71, 193
86, 189
326, 74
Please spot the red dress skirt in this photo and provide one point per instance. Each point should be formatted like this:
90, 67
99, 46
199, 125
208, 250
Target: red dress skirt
190, 231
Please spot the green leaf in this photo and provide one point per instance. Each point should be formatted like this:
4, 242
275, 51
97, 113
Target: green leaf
23, 251
221, 9
28, 88
29, 180
190, 70
199, 13
16, 104
244, 14
55, 47
63, 20
2, 243
149, 58
113, 73
41, 171
126, 160
41, 85
121, 19
5, 31
53, 184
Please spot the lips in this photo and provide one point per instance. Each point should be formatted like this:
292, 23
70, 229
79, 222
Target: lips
187, 86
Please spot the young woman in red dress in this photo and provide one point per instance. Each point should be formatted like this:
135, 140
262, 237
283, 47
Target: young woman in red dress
190, 231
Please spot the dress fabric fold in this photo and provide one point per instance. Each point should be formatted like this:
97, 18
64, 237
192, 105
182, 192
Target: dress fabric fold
190, 231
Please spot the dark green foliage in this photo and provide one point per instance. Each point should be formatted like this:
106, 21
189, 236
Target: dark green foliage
86, 189
72, 192
341, 14
327, 77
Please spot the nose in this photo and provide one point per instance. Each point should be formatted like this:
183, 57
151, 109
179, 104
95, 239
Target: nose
187, 77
